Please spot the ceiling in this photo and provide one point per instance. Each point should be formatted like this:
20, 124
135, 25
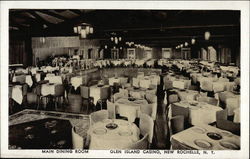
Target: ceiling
154, 28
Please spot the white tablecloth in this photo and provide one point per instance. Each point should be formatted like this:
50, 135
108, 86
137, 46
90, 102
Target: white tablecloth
113, 80
201, 114
113, 139
17, 94
95, 92
187, 95
76, 81
54, 79
188, 136
48, 89
129, 109
145, 83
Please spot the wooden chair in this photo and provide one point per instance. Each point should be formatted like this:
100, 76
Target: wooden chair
85, 94
59, 94
223, 123
77, 140
142, 144
177, 110
176, 124
111, 109
146, 126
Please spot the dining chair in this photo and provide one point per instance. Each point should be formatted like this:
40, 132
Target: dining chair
111, 109
172, 98
178, 110
117, 96
99, 115
77, 140
176, 124
229, 126
75, 103
85, 94
104, 95
222, 114
141, 144
146, 126
168, 84
123, 91
151, 98
223, 123
59, 94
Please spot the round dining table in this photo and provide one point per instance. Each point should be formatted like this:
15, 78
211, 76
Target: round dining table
112, 134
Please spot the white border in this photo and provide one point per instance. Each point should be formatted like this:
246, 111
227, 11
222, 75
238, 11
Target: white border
212, 5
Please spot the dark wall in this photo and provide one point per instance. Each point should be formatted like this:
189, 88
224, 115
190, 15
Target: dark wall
20, 50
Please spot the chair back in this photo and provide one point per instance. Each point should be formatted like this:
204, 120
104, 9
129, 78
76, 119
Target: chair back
25, 89
99, 115
123, 91
77, 140
176, 124
142, 144
117, 96
31, 98
111, 109
104, 93
59, 90
84, 91
146, 126
173, 98
168, 84
146, 109
229, 126
151, 98
178, 110
75, 103
221, 115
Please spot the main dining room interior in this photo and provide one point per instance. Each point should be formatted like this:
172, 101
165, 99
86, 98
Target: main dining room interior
124, 79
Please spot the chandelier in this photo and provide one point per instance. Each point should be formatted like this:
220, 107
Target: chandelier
115, 38
83, 30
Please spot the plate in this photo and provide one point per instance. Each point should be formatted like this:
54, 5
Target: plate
203, 143
226, 133
125, 133
99, 131
199, 130
111, 126
214, 136
229, 145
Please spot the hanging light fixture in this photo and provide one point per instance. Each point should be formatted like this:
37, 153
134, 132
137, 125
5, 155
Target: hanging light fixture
120, 48
186, 44
91, 30
105, 46
116, 40
83, 30
181, 45
120, 38
193, 41
207, 35
83, 33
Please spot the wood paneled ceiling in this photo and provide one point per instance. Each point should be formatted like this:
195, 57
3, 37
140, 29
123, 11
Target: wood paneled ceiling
156, 28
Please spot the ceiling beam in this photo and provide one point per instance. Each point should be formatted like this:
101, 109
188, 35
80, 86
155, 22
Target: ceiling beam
78, 12
39, 18
53, 14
